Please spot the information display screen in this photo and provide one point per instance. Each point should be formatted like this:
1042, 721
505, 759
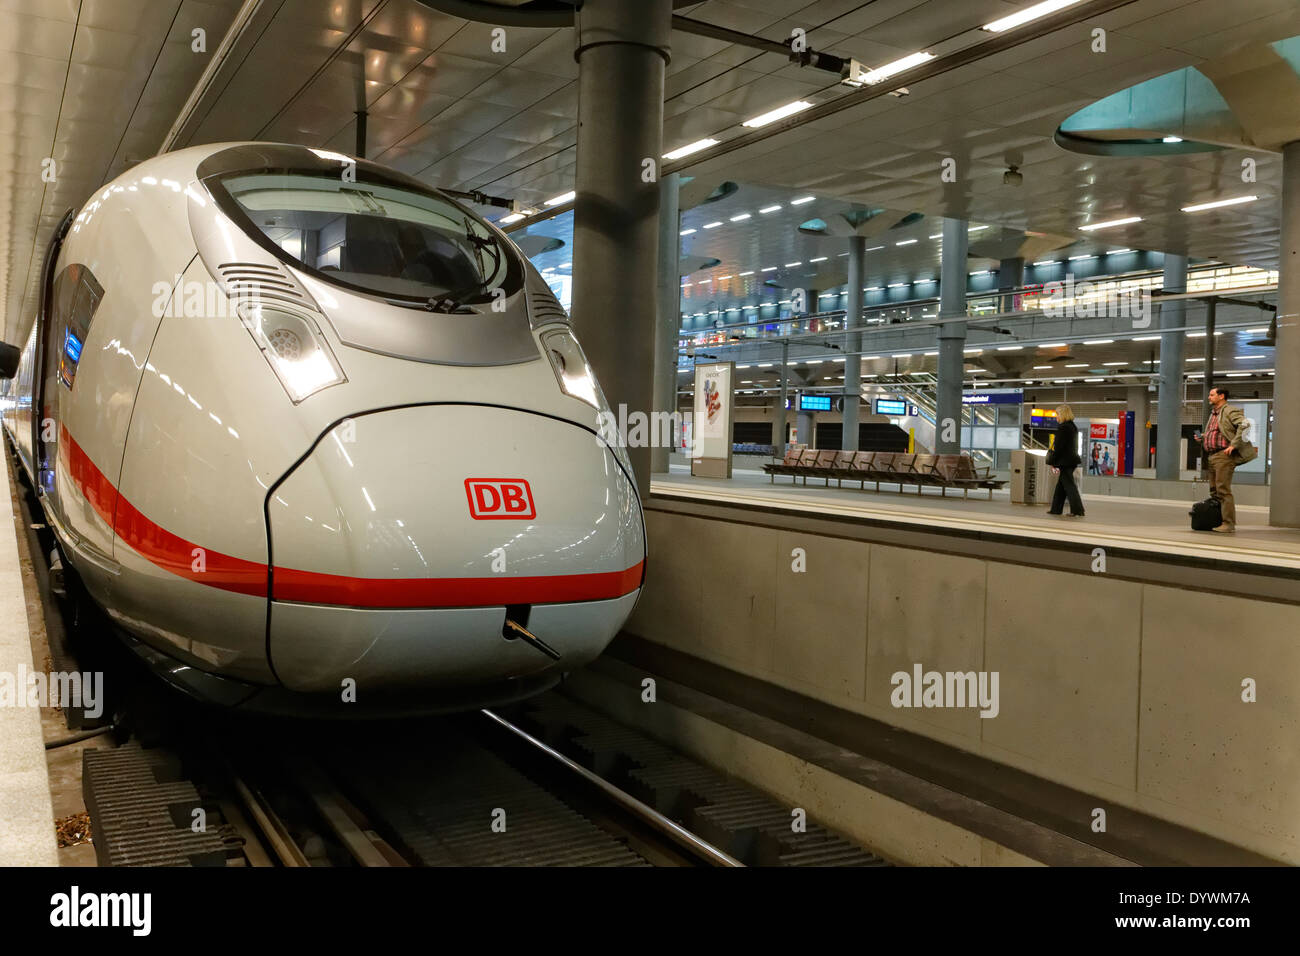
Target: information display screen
815, 403
889, 406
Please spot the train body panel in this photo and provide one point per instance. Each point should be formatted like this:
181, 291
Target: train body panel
248, 309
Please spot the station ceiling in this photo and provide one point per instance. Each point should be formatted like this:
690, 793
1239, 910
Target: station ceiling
97, 84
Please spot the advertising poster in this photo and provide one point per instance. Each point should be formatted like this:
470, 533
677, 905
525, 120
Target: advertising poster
712, 421
1101, 454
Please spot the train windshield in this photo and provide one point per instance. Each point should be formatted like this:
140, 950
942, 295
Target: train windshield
378, 238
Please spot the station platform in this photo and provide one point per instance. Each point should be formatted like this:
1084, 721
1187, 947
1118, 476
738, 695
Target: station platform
1153, 525
26, 814
1142, 665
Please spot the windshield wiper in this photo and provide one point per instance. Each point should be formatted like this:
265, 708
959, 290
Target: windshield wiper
454, 301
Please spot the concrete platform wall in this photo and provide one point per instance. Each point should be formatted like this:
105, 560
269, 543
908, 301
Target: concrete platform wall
1129, 691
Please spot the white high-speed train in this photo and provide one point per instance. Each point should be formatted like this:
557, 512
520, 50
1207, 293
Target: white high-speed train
319, 439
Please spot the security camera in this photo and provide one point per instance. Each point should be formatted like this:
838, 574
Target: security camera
1012, 177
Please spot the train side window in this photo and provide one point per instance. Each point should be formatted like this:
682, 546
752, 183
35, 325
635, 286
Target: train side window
77, 294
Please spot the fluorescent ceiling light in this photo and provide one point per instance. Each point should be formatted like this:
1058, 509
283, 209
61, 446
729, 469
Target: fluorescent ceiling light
1238, 374
1094, 380
749, 273
1047, 262
686, 232
1077, 365
1171, 139
801, 200
507, 220
562, 198
1027, 14
1218, 203
1098, 341
896, 285
781, 112
772, 208
871, 249
713, 225
972, 351
1147, 338
1111, 222
1039, 368
1249, 357
720, 278
791, 265
689, 148
740, 218
1118, 252
819, 259
1085, 256
906, 242
976, 228
1114, 363
1010, 348
901, 355
882, 73
769, 268
937, 235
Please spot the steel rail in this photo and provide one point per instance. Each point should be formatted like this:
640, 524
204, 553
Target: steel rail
673, 830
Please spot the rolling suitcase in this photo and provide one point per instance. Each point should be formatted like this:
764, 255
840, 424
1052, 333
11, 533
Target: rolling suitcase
1206, 515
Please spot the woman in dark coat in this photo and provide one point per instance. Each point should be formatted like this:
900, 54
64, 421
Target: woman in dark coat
1063, 457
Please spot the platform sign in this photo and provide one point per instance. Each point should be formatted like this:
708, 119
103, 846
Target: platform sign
1128, 426
994, 396
815, 403
889, 406
714, 406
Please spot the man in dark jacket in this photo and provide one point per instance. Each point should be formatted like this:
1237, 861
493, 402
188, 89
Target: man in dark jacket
1063, 457
1222, 440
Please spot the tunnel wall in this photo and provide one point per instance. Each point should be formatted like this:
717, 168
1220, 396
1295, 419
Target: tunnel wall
1124, 689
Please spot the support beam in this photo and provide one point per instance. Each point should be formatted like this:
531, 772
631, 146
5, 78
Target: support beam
669, 324
1011, 275
952, 338
622, 52
853, 343
1284, 496
1139, 403
780, 419
1169, 414
1208, 380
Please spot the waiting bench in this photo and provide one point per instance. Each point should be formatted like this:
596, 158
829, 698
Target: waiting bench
903, 469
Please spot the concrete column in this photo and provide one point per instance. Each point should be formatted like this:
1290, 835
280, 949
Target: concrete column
1169, 421
853, 342
779, 430
669, 324
952, 337
1011, 275
1284, 496
805, 430
1139, 403
622, 51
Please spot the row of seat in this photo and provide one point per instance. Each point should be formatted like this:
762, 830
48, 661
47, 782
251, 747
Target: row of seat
902, 469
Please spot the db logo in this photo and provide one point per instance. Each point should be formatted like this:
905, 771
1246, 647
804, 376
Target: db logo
499, 498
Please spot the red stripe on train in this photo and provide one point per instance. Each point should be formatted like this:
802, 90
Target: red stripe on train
178, 555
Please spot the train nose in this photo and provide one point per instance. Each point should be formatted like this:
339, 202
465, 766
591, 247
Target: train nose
405, 538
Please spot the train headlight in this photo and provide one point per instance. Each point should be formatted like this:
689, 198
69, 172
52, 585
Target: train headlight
571, 368
293, 346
